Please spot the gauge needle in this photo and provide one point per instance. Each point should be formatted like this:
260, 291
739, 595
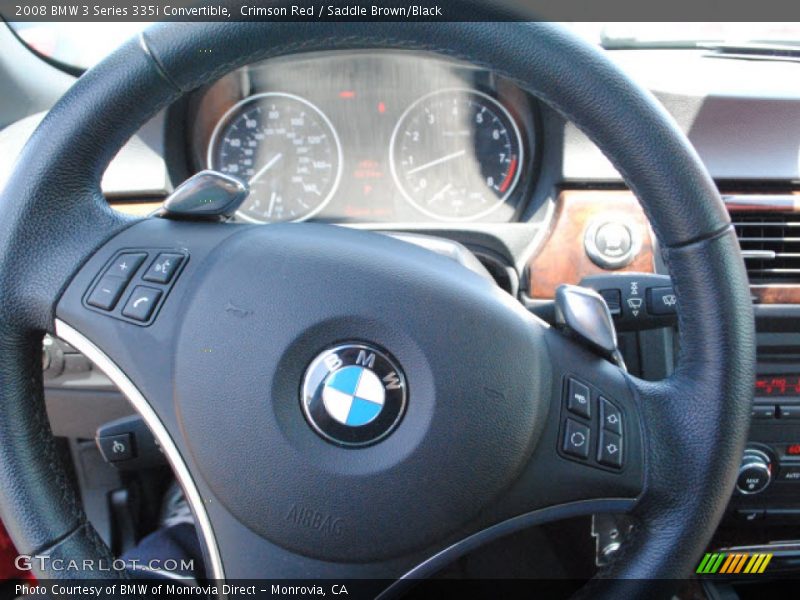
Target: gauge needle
265, 168
271, 202
437, 161
440, 193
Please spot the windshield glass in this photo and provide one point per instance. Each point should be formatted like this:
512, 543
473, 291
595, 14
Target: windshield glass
75, 45
687, 35
81, 45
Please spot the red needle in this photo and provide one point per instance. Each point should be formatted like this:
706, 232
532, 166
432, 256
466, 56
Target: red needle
512, 168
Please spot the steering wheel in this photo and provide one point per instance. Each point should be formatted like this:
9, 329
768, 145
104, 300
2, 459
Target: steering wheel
234, 368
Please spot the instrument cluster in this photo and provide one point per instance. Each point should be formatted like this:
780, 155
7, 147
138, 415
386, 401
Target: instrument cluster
370, 137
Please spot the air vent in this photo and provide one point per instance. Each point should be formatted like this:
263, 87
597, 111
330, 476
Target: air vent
770, 245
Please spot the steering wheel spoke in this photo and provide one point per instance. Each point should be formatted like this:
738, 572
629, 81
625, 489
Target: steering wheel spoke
589, 457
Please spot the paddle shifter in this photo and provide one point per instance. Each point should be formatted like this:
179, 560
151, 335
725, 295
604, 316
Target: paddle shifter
207, 195
583, 313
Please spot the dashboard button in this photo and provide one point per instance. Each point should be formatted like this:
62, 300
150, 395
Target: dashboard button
107, 292
789, 411
791, 473
141, 303
613, 240
746, 514
609, 450
613, 299
662, 301
116, 448
755, 473
610, 244
576, 439
752, 479
126, 264
579, 399
610, 416
163, 268
763, 411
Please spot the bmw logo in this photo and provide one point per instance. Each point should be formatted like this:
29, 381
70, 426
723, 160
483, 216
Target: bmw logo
354, 394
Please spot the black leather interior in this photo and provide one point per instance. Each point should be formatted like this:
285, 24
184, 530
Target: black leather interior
55, 216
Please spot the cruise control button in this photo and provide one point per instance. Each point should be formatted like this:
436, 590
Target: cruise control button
579, 399
163, 268
576, 439
610, 416
609, 450
126, 264
107, 292
141, 303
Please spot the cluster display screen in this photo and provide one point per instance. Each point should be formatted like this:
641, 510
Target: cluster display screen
778, 385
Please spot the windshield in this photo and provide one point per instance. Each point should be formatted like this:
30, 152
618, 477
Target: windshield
75, 45
81, 45
687, 35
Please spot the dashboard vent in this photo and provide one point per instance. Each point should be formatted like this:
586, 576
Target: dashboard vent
770, 245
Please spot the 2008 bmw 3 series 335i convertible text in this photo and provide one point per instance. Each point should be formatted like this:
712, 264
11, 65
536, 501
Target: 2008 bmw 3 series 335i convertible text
485, 300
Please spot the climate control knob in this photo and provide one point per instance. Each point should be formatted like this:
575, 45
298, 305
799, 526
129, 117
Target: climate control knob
755, 474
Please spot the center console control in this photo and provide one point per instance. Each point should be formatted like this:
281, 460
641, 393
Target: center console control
768, 483
755, 474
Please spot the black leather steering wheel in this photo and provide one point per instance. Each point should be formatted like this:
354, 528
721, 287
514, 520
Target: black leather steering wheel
217, 372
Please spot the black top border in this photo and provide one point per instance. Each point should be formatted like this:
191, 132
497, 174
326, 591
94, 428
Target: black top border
398, 10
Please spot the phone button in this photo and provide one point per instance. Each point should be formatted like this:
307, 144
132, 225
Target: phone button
141, 303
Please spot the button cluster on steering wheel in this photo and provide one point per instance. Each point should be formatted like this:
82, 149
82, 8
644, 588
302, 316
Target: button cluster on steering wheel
591, 427
127, 291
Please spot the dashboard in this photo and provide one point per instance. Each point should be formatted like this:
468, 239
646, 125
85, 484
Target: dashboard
369, 137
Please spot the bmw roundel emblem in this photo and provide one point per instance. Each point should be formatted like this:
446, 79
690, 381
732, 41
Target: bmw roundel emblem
354, 394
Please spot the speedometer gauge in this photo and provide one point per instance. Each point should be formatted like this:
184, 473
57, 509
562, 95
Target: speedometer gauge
287, 151
456, 154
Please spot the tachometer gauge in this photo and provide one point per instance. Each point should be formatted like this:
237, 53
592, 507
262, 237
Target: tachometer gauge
286, 149
456, 154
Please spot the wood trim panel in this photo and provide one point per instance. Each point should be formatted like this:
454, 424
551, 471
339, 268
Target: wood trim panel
562, 258
784, 293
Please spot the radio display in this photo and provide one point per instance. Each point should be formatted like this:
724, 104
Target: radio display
777, 385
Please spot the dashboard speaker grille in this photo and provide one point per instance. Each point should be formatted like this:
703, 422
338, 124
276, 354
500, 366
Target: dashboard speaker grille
770, 245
